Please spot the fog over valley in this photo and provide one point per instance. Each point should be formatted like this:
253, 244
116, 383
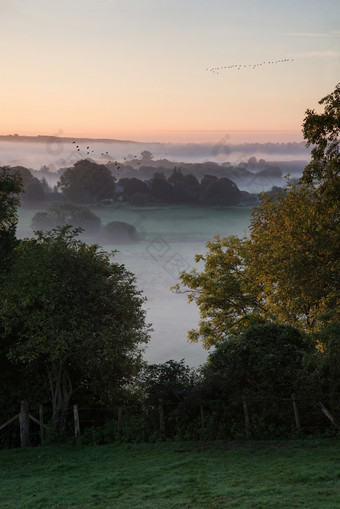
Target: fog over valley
56, 152
169, 231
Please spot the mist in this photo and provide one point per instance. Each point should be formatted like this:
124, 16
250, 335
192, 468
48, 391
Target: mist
170, 235
61, 152
170, 238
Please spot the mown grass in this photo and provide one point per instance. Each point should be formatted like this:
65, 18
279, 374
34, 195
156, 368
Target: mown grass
173, 475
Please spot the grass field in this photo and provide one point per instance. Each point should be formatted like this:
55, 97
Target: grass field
304, 474
173, 222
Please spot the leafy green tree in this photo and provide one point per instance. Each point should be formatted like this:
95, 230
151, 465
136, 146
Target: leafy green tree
63, 213
32, 190
146, 155
77, 318
295, 255
228, 299
222, 192
10, 189
321, 130
133, 186
206, 180
287, 270
186, 187
168, 382
161, 190
119, 232
322, 369
265, 359
87, 182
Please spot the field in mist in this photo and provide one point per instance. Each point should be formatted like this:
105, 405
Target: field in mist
170, 237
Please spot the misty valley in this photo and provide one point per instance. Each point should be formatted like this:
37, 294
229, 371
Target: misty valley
170, 254
157, 216
168, 239
115, 272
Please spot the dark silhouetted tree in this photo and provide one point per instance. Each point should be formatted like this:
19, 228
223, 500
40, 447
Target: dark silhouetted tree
87, 182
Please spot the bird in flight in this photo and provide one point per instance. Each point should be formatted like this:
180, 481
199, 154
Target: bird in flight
216, 70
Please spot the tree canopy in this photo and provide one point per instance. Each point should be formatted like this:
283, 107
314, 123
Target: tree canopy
321, 130
266, 359
87, 182
32, 189
62, 213
10, 189
288, 269
73, 316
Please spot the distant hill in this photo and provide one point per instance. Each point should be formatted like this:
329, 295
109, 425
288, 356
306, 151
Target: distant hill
46, 138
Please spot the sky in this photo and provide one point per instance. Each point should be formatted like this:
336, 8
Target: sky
137, 69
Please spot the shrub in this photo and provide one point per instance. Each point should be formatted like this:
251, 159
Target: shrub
119, 232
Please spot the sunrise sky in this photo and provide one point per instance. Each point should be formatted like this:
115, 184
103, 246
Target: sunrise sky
137, 69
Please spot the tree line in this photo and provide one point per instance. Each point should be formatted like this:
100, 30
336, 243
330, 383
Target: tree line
89, 183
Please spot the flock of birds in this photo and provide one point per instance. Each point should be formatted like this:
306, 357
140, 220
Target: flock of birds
216, 70
88, 151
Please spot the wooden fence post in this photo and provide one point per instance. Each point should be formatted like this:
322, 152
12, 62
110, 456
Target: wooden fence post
120, 421
76, 423
202, 414
246, 412
296, 413
161, 418
24, 424
41, 422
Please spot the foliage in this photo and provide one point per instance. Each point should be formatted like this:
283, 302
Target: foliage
63, 213
10, 188
321, 130
322, 370
32, 189
288, 269
222, 192
87, 182
187, 188
295, 255
161, 190
227, 297
265, 360
133, 186
168, 382
75, 317
146, 155
119, 232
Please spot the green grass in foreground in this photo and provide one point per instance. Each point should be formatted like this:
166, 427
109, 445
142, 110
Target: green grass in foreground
173, 475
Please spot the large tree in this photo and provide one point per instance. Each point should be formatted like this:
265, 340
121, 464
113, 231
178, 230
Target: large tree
288, 269
321, 131
76, 318
266, 360
62, 213
227, 298
87, 182
32, 190
222, 192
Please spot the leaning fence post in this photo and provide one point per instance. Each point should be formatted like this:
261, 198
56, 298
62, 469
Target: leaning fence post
296, 413
76, 423
24, 424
